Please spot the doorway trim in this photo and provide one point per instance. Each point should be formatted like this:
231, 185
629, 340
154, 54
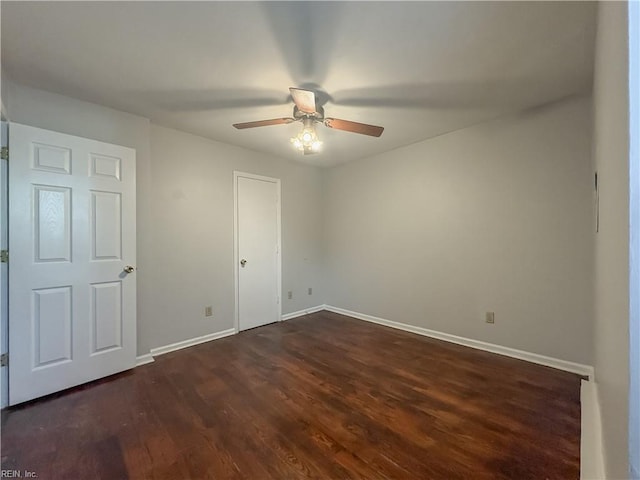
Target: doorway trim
4, 269
236, 259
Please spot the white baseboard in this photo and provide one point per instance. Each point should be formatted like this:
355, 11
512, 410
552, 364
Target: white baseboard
591, 452
154, 352
300, 313
144, 359
191, 342
586, 370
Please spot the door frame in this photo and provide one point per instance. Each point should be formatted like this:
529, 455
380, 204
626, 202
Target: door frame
4, 269
236, 259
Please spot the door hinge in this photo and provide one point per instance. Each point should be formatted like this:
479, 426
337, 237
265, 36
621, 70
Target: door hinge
4, 360
4, 153
4, 256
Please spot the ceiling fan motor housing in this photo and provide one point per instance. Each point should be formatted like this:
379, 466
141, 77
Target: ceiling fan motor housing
318, 116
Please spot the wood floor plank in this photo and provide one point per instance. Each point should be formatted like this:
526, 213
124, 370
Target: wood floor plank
323, 396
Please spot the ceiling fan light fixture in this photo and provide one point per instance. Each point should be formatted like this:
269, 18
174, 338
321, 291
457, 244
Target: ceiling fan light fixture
307, 140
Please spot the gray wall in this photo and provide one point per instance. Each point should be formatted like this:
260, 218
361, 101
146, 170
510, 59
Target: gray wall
193, 232
634, 247
496, 217
611, 295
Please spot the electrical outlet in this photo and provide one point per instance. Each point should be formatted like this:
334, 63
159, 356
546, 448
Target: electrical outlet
310, 291
490, 317
289, 294
208, 311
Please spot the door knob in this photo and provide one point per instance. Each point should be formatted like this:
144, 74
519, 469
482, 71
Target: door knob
243, 262
129, 269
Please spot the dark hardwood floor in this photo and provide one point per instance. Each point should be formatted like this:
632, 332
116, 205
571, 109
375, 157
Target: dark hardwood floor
323, 396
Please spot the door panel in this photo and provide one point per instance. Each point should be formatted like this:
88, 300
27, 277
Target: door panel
72, 232
106, 313
108, 167
50, 158
52, 223
258, 238
51, 326
106, 220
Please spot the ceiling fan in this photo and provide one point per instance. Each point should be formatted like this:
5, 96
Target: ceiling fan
307, 111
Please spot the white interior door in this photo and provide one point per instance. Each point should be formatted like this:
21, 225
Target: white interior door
72, 229
257, 201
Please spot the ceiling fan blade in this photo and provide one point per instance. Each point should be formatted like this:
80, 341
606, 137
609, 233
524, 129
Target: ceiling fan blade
305, 100
264, 123
353, 127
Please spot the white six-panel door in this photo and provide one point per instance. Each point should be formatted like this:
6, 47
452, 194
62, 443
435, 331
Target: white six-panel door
257, 235
72, 237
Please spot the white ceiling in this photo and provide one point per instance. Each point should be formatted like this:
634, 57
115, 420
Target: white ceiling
419, 69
